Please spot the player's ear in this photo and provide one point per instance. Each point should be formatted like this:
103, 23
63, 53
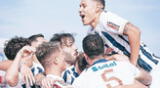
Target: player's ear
55, 61
99, 7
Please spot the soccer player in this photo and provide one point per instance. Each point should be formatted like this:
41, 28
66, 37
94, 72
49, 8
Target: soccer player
37, 39
67, 42
52, 57
107, 74
12, 47
118, 34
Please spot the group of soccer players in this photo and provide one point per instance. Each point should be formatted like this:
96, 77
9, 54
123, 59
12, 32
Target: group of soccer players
113, 56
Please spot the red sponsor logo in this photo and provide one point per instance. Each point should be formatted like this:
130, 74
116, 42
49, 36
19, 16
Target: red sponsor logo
113, 26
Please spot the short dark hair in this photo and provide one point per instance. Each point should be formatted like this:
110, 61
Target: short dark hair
102, 2
34, 37
45, 50
93, 45
59, 36
14, 45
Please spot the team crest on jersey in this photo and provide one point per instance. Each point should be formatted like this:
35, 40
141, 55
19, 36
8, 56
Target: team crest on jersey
113, 26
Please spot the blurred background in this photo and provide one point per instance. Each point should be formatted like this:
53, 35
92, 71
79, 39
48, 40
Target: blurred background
27, 17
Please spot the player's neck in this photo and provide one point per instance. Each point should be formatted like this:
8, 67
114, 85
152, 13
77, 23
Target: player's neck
96, 59
53, 70
96, 20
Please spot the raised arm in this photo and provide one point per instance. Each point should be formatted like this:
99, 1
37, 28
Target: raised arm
4, 65
133, 34
12, 74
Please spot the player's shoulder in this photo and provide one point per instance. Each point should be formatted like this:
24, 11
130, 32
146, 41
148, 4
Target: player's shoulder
105, 14
99, 67
81, 80
125, 64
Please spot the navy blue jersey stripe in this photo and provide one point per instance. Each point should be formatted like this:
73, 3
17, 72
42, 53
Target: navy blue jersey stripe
40, 70
74, 72
144, 65
65, 75
116, 44
148, 55
141, 63
123, 39
72, 80
33, 70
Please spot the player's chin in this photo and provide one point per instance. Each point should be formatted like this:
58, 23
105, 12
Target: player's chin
85, 23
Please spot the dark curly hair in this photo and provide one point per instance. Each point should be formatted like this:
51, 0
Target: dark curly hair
14, 45
60, 36
34, 37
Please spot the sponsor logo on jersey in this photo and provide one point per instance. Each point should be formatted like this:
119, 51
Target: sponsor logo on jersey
107, 65
113, 26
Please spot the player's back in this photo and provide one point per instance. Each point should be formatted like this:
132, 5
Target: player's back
108, 74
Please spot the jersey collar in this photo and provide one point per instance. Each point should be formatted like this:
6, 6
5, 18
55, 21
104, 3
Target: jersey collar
99, 61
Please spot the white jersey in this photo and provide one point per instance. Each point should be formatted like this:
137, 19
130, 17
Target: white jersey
37, 68
107, 74
60, 83
70, 74
111, 28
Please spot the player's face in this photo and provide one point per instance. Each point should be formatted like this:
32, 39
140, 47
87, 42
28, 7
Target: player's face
88, 11
70, 48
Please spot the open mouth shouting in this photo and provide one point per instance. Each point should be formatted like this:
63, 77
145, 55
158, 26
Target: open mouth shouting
82, 16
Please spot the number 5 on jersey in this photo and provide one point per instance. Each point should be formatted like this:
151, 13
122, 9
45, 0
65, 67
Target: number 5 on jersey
108, 79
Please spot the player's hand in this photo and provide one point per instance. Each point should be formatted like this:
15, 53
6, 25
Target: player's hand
27, 75
48, 82
26, 52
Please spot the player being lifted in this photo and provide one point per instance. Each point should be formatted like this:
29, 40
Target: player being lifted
118, 34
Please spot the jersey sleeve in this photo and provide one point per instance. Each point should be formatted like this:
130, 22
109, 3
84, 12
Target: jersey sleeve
113, 22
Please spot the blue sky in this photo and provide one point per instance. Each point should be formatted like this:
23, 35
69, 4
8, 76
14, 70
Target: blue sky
27, 17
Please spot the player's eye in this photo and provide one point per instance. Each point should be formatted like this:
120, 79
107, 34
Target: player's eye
84, 6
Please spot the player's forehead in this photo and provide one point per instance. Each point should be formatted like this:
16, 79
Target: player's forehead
86, 2
67, 41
